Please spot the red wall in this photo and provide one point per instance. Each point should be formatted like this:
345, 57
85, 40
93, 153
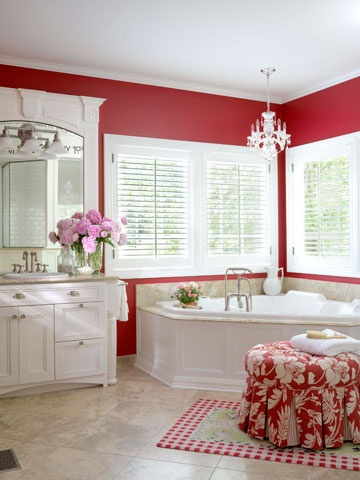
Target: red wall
325, 114
142, 110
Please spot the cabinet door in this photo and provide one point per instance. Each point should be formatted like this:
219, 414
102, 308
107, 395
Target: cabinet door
80, 321
9, 347
36, 343
80, 358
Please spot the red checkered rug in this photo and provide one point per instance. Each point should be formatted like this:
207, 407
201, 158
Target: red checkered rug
210, 426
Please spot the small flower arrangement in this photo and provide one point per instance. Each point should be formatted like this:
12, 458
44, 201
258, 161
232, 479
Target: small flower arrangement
187, 294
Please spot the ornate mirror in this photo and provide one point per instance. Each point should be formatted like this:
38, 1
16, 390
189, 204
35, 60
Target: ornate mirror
39, 188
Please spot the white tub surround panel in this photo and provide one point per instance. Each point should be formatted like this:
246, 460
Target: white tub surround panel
174, 345
198, 349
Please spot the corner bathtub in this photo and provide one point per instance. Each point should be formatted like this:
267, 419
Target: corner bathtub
310, 307
204, 348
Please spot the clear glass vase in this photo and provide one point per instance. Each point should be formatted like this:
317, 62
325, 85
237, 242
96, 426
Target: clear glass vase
94, 260
66, 260
80, 255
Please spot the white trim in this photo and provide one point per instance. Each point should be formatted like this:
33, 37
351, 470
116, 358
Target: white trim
318, 265
77, 114
320, 86
169, 83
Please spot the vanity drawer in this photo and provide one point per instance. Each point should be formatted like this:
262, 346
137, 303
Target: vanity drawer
80, 358
49, 294
81, 292
80, 321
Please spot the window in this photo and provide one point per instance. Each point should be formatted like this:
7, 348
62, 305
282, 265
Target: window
152, 189
322, 207
192, 208
237, 216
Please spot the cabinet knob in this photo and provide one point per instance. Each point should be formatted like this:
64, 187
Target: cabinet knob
73, 293
22, 316
14, 317
19, 296
81, 305
81, 342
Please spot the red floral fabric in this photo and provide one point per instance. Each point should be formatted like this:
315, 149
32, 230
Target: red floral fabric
322, 392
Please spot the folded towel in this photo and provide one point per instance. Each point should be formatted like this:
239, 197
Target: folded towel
123, 311
330, 345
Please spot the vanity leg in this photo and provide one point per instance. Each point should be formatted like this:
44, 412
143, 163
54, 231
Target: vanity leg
112, 344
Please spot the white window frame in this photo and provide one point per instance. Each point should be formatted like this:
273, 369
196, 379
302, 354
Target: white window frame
230, 156
297, 261
198, 263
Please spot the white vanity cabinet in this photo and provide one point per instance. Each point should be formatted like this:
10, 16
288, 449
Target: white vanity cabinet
80, 346
26, 344
54, 333
9, 346
36, 343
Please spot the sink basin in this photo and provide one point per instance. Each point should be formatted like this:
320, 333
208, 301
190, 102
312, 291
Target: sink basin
34, 275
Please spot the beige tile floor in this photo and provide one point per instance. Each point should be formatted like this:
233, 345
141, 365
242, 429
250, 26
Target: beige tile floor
111, 434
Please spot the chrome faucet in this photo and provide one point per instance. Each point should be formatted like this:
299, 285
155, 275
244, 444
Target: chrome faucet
239, 272
33, 260
26, 258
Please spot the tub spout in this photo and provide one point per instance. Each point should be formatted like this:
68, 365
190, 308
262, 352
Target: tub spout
248, 296
239, 272
227, 301
248, 301
239, 296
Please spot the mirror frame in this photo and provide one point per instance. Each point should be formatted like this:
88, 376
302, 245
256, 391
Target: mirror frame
78, 114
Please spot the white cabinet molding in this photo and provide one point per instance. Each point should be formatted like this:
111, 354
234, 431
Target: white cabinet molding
79, 114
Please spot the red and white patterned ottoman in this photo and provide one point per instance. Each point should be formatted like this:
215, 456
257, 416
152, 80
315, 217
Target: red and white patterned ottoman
294, 398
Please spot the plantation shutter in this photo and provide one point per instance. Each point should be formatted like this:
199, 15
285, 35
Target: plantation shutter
192, 208
153, 191
236, 208
327, 207
321, 207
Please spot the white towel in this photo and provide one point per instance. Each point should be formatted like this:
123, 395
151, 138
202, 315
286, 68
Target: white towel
123, 303
327, 347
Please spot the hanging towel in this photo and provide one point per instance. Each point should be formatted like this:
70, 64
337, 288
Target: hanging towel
328, 343
123, 310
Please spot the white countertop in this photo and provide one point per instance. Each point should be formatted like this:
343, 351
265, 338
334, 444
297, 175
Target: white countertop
50, 280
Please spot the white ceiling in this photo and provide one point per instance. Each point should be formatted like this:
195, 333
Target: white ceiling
216, 46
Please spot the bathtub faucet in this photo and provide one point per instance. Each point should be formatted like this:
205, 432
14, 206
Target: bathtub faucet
239, 296
239, 272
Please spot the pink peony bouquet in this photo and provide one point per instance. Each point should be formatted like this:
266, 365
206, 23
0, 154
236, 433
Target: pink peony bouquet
86, 231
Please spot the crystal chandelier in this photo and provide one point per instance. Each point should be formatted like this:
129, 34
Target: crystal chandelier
270, 141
